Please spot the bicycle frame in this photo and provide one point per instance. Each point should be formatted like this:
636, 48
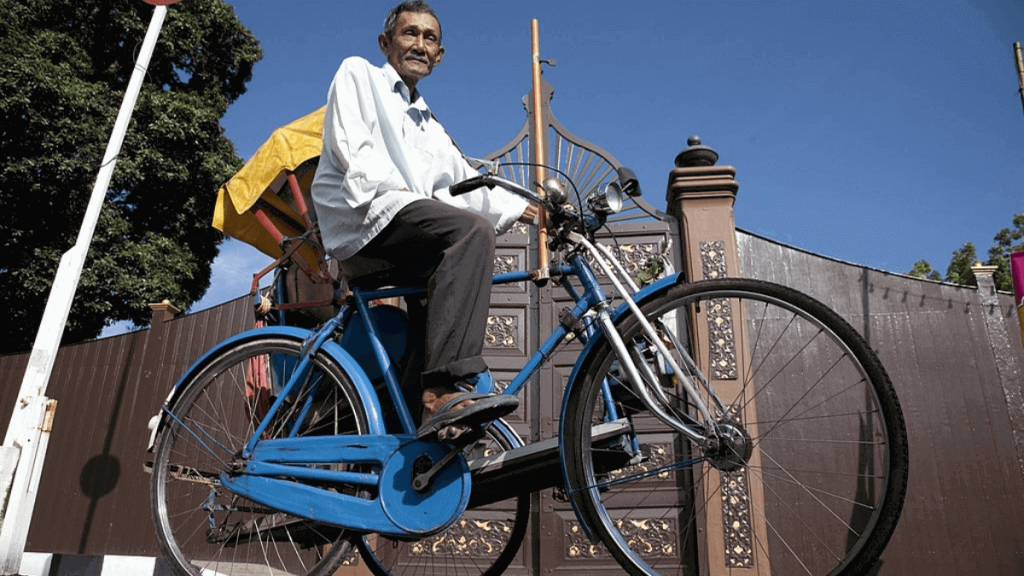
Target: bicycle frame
267, 462
590, 299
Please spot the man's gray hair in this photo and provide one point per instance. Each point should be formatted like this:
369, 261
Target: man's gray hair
409, 6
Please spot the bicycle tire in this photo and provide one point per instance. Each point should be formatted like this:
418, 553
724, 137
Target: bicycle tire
234, 536
816, 479
483, 542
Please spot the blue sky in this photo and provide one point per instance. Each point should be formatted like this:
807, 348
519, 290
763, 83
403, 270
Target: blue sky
876, 132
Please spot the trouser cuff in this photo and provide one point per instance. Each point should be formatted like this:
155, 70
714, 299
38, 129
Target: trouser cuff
448, 375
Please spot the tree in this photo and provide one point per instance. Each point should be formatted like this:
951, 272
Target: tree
959, 269
922, 269
64, 67
1007, 241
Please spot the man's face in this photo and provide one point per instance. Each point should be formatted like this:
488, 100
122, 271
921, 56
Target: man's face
415, 48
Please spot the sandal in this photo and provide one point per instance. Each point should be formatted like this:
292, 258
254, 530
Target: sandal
485, 407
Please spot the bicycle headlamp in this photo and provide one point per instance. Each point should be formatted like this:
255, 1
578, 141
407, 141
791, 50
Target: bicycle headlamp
606, 199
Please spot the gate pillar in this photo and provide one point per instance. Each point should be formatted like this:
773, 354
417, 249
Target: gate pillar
1002, 349
701, 196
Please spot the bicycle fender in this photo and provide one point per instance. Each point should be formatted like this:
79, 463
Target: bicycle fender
648, 292
371, 405
650, 289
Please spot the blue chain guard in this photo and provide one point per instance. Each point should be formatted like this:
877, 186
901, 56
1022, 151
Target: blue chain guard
398, 510
433, 510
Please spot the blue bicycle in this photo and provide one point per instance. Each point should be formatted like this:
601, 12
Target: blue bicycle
284, 450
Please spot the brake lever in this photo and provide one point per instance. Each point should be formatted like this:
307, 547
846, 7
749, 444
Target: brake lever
491, 166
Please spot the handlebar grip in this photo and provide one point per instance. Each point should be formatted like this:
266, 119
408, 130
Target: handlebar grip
467, 185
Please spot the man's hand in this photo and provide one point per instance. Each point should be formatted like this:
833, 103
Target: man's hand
529, 215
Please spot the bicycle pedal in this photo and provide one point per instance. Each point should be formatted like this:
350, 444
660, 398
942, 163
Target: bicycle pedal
454, 433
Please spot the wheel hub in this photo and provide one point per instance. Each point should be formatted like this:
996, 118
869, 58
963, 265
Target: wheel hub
731, 448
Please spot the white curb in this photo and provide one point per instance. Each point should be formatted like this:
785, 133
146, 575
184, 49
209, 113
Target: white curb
44, 564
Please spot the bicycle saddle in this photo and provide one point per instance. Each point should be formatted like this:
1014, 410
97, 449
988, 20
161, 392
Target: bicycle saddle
368, 273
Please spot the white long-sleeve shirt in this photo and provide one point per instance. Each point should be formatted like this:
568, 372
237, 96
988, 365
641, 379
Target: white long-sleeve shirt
382, 151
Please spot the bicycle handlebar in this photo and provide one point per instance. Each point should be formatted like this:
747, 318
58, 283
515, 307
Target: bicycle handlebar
490, 181
469, 184
552, 205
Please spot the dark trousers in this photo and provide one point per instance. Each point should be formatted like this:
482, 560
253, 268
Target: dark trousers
451, 251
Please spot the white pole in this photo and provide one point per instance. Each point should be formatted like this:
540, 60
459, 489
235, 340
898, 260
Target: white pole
30, 418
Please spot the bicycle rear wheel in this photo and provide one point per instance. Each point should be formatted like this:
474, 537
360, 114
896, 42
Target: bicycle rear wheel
204, 528
811, 473
484, 541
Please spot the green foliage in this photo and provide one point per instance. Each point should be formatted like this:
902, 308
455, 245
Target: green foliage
64, 68
653, 267
922, 269
1007, 241
651, 272
959, 269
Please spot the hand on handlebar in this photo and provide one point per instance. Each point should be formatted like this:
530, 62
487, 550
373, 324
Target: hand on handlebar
529, 215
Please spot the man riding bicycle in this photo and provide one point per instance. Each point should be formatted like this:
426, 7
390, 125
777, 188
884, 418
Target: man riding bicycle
382, 198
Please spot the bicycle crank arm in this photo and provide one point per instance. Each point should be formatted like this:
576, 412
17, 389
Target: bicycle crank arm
421, 482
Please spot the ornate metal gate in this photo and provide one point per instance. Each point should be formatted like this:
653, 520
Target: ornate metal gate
521, 314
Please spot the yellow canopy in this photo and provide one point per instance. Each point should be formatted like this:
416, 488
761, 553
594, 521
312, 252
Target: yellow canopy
294, 147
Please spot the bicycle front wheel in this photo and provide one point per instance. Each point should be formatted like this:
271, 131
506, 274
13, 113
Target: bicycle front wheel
483, 542
204, 528
809, 469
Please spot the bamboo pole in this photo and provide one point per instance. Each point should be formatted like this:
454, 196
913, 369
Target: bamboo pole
539, 153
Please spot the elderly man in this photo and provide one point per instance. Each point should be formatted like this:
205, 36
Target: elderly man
381, 194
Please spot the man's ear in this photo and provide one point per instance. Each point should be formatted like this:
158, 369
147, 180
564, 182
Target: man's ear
383, 42
440, 56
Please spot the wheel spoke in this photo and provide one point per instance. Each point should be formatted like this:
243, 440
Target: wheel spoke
807, 472
202, 528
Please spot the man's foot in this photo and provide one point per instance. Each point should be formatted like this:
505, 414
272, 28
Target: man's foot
449, 415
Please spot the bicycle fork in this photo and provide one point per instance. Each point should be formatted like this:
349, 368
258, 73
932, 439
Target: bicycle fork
650, 394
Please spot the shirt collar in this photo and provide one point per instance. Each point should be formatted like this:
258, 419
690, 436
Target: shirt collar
399, 85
